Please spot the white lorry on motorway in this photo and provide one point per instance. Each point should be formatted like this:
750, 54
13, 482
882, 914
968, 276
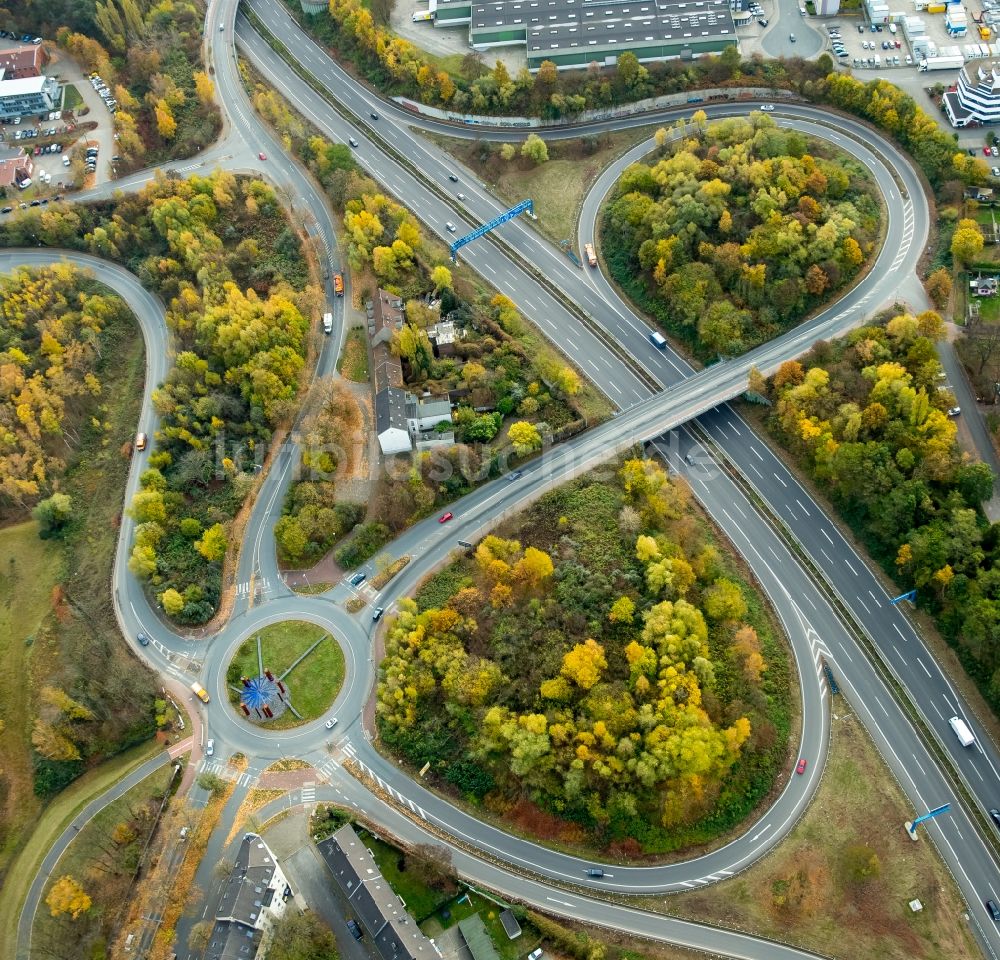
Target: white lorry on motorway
962, 731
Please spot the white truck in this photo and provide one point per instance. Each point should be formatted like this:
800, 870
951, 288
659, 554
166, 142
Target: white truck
327, 323
962, 731
942, 63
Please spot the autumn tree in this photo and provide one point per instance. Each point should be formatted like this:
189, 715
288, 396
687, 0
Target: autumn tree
524, 437
67, 896
535, 149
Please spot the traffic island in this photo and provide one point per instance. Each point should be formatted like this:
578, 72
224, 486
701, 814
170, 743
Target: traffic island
285, 675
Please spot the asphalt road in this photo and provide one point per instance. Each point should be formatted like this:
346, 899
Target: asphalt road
812, 632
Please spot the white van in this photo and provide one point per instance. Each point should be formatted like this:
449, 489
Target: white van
962, 731
892, 29
327, 323
25, 183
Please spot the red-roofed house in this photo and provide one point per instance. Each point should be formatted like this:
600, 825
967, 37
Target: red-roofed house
22, 61
15, 166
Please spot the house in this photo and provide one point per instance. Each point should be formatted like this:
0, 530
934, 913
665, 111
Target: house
981, 194
15, 166
390, 421
983, 286
382, 913
254, 896
22, 60
425, 413
442, 337
387, 317
28, 96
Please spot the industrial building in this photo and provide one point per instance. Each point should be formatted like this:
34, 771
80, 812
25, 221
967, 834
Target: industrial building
28, 96
976, 97
575, 33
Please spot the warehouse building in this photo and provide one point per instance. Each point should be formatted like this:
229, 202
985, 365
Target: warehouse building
575, 33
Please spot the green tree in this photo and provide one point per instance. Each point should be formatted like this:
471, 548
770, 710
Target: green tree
508, 151
534, 149
302, 936
52, 513
172, 602
212, 545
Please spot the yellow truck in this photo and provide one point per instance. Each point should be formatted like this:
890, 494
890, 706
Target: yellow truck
200, 692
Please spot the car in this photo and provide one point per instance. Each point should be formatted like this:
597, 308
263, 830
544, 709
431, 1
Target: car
357, 580
452, 178
535, 954
791, 38
762, 21
861, 28
995, 151
873, 27
353, 142
451, 228
57, 198
994, 910
373, 115
262, 155
331, 723
459, 196
143, 639
210, 748
377, 614
36, 40
445, 517
141, 440
222, 27
878, 27
184, 832
995, 814
954, 411
801, 767
516, 475
995, 141
355, 929
899, 45
6, 210
909, 63
995, 171
986, 151
36, 203
767, 107
66, 161
596, 872
971, 151
44, 200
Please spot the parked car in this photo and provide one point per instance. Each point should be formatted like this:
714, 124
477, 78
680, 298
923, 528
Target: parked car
355, 929
357, 580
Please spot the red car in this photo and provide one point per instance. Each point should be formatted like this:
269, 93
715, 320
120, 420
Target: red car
801, 768
986, 151
445, 517
261, 156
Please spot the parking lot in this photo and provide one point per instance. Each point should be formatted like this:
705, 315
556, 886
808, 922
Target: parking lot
869, 46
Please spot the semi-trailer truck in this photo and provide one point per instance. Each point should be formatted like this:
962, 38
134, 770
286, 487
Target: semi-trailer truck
200, 692
962, 731
588, 250
942, 63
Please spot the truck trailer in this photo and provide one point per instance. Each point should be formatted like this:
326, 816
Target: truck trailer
588, 251
942, 63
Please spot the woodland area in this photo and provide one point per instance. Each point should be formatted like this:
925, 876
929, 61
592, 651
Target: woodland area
738, 231
147, 52
865, 417
610, 679
220, 254
70, 381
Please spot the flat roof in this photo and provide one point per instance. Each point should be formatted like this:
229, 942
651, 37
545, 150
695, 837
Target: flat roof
555, 24
14, 88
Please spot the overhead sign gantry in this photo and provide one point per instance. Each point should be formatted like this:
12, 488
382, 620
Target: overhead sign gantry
492, 225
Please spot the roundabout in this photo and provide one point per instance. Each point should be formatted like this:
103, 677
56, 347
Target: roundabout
509, 864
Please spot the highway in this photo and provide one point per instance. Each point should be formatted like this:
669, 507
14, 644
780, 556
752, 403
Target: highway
813, 628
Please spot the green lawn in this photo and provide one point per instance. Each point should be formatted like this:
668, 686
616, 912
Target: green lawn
72, 98
51, 823
421, 901
103, 866
29, 570
468, 904
314, 683
353, 362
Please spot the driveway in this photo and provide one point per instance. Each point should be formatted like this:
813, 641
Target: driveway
787, 20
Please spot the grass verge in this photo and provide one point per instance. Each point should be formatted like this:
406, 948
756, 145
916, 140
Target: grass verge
821, 890
103, 861
71, 98
51, 823
557, 186
313, 588
313, 684
353, 362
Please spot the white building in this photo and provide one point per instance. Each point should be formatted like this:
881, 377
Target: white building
255, 895
28, 96
976, 98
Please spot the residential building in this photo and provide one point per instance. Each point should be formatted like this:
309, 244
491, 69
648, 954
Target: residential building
575, 33
254, 896
28, 96
15, 166
382, 913
976, 97
443, 337
22, 60
390, 421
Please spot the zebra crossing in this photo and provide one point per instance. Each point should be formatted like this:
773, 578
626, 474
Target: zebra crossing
243, 778
308, 792
243, 589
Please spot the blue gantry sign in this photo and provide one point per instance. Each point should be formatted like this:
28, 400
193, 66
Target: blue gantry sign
492, 225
